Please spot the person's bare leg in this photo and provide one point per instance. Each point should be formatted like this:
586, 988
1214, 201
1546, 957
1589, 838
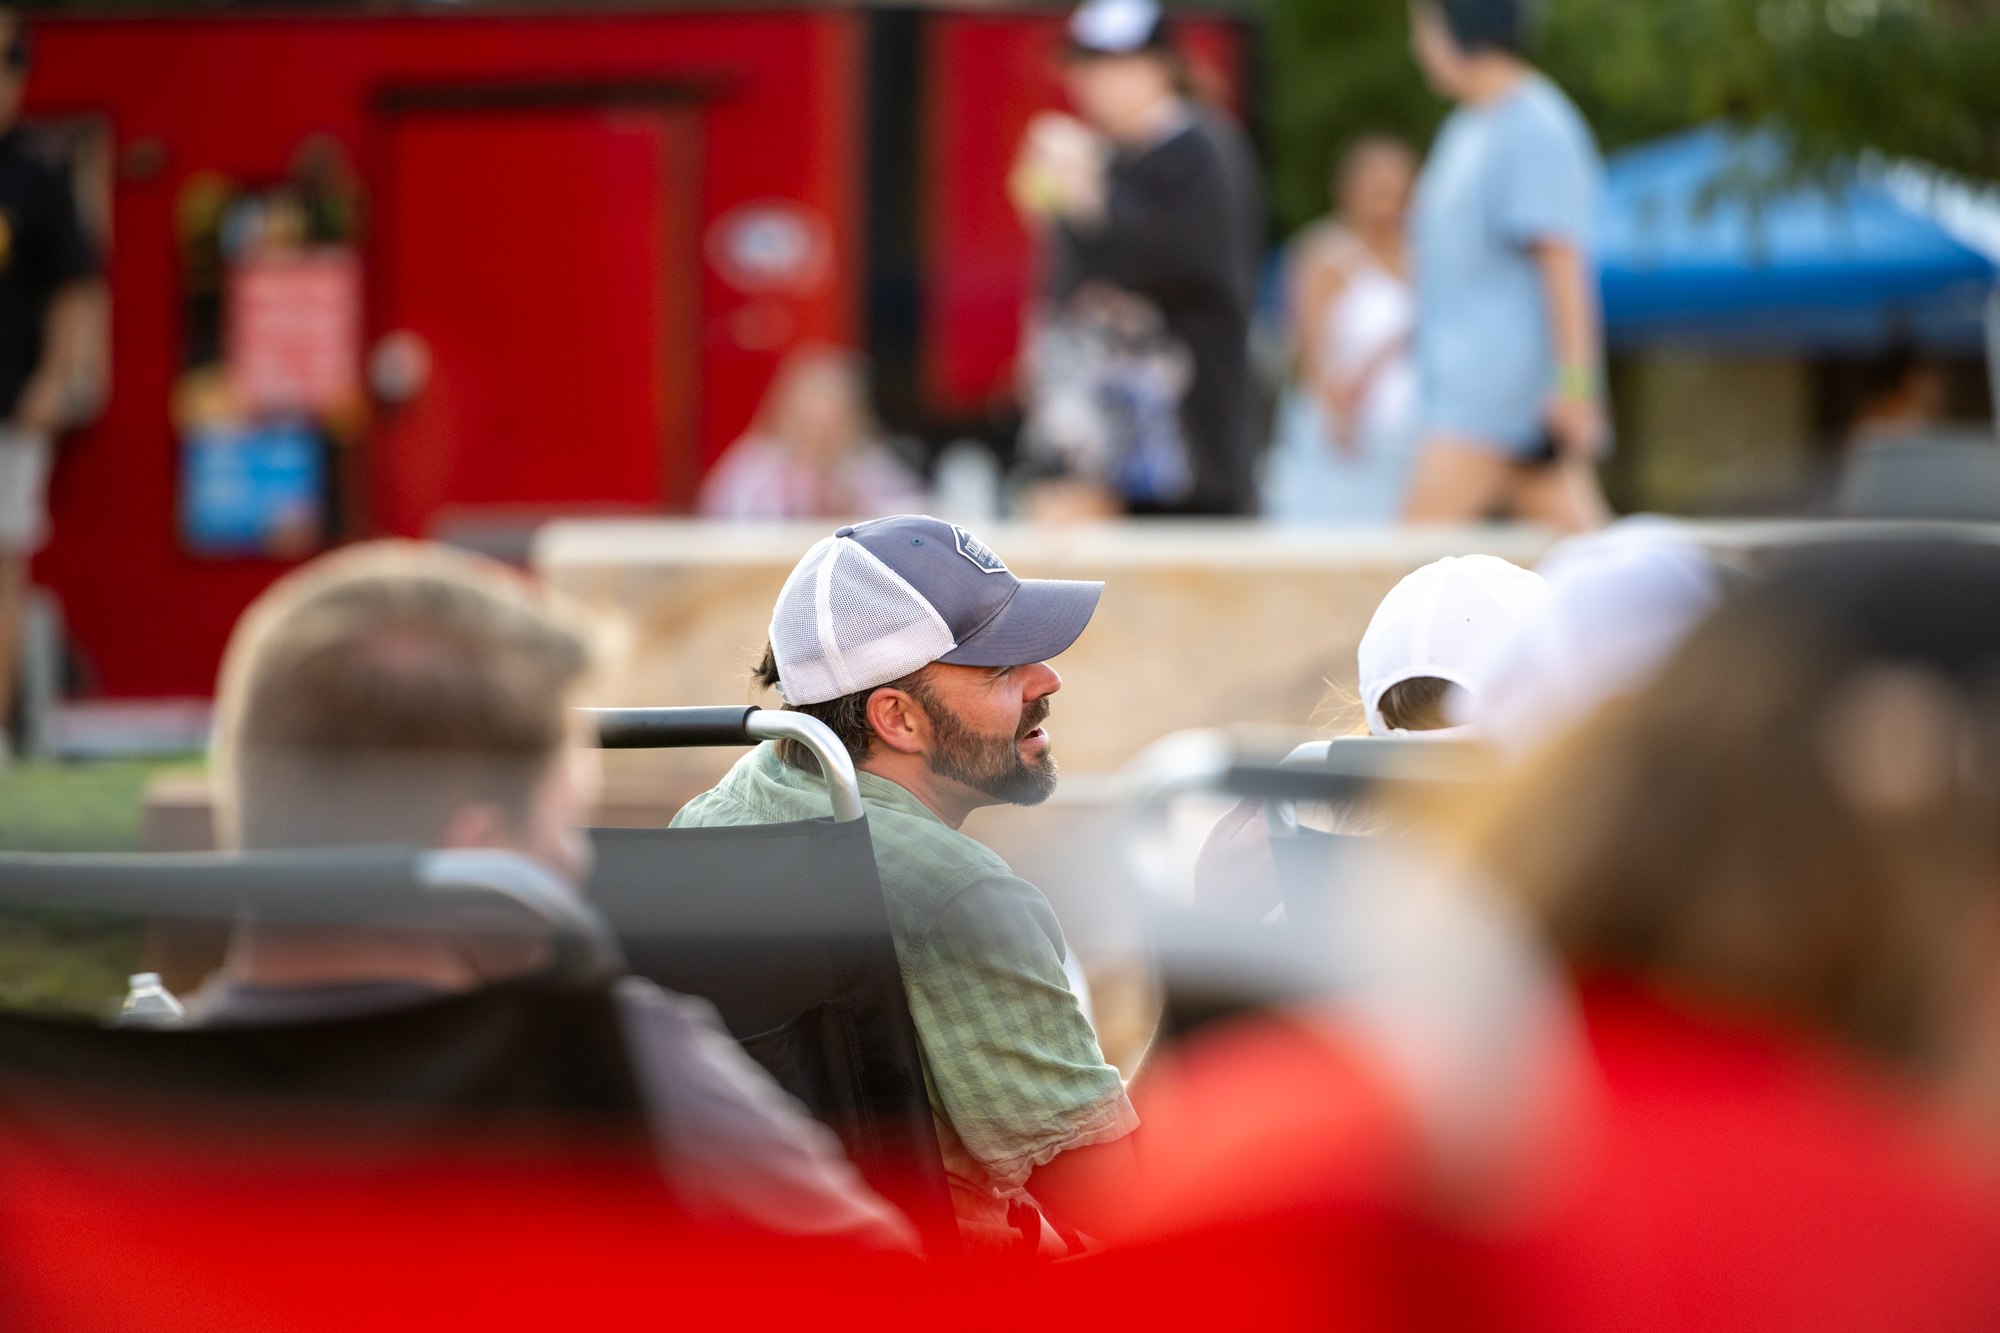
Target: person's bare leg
13, 601
1564, 496
1456, 481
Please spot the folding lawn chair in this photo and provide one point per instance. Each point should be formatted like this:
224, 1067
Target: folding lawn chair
531, 1072
1345, 772
1212, 968
784, 929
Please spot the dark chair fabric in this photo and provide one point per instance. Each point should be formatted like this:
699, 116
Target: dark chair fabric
783, 928
533, 1072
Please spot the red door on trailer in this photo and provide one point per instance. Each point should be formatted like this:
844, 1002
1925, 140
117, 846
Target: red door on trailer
545, 257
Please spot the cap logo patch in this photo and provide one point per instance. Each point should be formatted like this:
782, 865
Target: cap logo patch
978, 552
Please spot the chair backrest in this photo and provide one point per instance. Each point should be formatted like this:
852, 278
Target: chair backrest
522, 1089
533, 1067
1215, 968
331, 886
783, 927
134, 1160
1344, 772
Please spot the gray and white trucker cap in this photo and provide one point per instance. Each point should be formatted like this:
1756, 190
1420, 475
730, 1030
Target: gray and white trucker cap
876, 601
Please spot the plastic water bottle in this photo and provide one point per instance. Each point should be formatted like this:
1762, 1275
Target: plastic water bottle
148, 1004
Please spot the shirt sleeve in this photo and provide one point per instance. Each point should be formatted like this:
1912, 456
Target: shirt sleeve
1546, 187
1013, 1061
737, 1147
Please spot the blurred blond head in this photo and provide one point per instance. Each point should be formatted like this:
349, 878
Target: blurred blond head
1801, 816
818, 403
401, 692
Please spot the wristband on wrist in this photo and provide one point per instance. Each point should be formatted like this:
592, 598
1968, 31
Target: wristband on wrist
1578, 384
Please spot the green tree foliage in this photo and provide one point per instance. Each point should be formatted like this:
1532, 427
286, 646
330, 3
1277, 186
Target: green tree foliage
1914, 78
1339, 69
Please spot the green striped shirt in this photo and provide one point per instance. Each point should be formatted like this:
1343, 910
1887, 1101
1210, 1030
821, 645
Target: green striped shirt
1013, 1067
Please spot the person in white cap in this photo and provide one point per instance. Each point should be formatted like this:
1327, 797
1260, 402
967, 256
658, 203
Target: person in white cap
1432, 645
1427, 660
1162, 204
919, 648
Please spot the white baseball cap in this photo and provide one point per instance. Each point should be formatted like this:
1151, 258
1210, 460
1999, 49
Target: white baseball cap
1450, 619
877, 600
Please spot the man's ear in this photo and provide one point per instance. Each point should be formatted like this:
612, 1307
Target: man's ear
898, 721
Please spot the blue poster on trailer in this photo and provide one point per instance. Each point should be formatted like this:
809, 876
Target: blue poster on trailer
255, 491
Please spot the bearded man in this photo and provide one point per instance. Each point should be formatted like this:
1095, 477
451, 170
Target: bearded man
926, 656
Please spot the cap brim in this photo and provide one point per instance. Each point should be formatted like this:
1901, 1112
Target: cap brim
1041, 619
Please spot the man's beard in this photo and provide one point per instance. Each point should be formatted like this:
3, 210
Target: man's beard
987, 762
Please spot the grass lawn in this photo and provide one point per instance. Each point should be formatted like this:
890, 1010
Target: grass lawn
58, 961
90, 805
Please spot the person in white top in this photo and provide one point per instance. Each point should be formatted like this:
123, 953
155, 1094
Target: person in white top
1346, 425
813, 451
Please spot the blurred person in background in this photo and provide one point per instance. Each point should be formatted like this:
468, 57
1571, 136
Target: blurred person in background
1426, 663
1776, 876
1474, 648
814, 449
1907, 395
1509, 340
1346, 424
1151, 212
919, 649
402, 693
51, 337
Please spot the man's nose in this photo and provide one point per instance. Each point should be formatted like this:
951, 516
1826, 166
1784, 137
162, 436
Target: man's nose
1038, 680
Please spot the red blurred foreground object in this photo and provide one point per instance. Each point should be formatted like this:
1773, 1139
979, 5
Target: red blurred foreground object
1746, 1178
1729, 1175
1735, 1176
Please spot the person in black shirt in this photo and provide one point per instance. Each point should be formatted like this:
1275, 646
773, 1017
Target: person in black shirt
1170, 214
50, 334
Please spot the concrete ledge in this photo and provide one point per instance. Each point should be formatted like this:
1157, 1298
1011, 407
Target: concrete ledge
1202, 623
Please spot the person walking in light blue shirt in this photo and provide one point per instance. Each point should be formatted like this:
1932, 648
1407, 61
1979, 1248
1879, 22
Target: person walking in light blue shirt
1509, 339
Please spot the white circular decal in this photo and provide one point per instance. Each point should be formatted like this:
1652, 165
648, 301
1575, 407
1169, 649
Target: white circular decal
770, 246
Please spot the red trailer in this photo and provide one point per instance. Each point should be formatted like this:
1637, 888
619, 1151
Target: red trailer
595, 235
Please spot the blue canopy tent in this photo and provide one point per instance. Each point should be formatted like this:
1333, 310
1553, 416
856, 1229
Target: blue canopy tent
1893, 253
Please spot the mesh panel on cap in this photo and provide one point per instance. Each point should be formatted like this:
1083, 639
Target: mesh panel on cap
845, 622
